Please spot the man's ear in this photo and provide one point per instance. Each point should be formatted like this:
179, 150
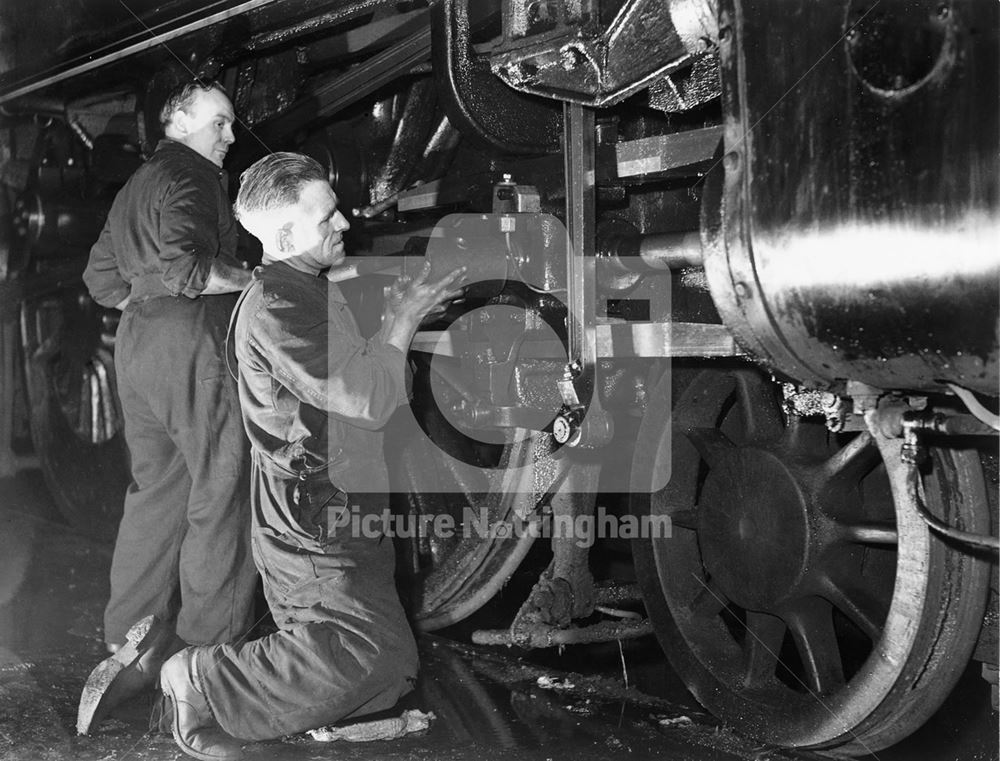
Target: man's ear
178, 124
283, 239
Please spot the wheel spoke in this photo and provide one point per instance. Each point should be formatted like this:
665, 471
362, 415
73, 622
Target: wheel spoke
96, 427
811, 624
109, 416
765, 634
806, 435
711, 443
83, 408
762, 419
709, 601
669, 503
858, 604
854, 460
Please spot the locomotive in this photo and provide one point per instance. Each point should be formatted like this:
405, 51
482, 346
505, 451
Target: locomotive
735, 272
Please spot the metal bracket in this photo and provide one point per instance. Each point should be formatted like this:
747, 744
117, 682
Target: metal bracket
476, 102
594, 428
640, 45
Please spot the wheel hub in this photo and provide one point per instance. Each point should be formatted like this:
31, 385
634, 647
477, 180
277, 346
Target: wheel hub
754, 528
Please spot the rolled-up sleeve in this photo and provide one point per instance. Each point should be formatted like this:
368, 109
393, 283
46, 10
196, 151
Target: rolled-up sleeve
189, 236
102, 276
333, 369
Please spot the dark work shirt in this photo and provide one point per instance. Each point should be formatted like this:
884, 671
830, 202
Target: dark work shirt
314, 393
166, 226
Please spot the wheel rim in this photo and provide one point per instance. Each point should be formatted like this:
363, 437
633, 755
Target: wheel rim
73, 349
453, 575
790, 597
75, 413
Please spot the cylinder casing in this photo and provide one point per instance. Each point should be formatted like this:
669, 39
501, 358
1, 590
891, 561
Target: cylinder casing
856, 234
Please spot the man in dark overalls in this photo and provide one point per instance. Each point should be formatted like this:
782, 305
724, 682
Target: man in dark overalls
166, 257
314, 395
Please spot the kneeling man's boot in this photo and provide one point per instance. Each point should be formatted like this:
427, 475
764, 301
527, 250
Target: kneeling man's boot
134, 667
194, 728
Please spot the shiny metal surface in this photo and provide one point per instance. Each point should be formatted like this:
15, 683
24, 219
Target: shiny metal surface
860, 243
657, 339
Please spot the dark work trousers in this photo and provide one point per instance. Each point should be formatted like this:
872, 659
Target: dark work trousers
344, 648
183, 544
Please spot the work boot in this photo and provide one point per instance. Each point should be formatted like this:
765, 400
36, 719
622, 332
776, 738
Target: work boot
133, 668
161, 716
193, 726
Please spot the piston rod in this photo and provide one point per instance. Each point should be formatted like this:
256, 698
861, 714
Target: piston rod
646, 254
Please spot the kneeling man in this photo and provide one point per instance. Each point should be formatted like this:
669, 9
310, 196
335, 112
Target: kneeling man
314, 395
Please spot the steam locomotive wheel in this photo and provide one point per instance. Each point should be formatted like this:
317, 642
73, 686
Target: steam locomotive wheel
74, 413
799, 597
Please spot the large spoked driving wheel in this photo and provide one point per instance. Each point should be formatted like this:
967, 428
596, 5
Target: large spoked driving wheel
74, 412
455, 571
800, 597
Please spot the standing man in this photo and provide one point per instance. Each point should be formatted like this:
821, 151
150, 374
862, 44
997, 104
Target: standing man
166, 257
314, 396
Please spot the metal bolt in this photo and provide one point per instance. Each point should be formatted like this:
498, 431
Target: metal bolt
569, 59
515, 72
741, 290
507, 178
731, 161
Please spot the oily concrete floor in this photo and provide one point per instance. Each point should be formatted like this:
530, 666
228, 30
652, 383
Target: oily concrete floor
488, 703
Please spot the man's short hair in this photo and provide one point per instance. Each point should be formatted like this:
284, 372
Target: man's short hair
182, 97
275, 182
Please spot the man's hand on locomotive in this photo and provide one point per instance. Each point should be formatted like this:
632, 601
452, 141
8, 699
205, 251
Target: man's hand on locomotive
410, 299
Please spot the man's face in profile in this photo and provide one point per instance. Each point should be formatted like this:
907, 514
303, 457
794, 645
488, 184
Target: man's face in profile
318, 227
207, 126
